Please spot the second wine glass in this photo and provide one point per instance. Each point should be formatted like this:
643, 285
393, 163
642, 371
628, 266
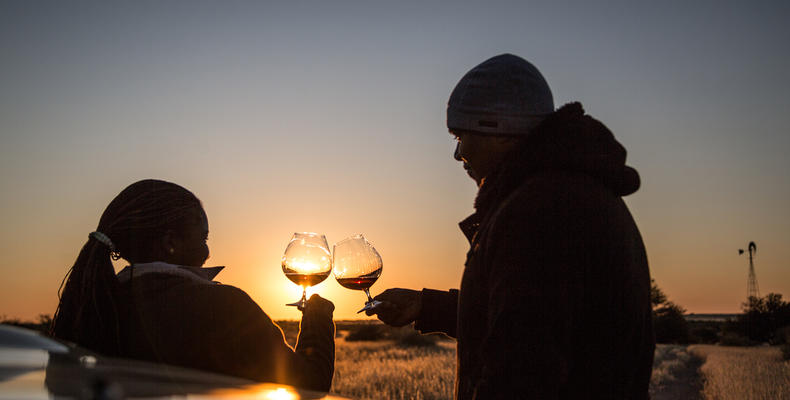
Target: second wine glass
357, 265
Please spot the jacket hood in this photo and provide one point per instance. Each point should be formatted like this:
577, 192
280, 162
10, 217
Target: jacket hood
566, 140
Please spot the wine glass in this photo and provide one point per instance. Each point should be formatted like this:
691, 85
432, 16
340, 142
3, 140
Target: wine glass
306, 262
357, 265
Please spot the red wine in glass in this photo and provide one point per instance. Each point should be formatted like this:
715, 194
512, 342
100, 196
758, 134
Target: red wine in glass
362, 282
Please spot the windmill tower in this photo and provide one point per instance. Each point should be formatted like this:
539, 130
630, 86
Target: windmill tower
751, 284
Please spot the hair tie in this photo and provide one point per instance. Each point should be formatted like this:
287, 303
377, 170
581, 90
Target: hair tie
105, 240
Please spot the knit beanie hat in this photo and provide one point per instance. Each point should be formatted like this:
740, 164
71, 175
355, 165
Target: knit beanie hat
504, 95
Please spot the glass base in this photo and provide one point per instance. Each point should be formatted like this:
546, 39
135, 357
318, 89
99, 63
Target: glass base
369, 305
299, 304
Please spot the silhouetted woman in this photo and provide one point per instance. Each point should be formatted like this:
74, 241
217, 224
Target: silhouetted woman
165, 308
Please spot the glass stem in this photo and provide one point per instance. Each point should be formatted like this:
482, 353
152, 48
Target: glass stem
368, 293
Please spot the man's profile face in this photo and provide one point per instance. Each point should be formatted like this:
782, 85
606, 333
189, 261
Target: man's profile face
480, 153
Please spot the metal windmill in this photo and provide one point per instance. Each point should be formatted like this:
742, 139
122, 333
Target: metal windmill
751, 285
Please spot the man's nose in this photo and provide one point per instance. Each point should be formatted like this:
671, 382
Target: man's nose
457, 153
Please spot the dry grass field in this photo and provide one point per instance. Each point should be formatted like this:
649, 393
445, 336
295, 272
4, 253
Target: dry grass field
743, 373
385, 369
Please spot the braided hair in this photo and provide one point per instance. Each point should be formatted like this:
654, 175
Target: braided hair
135, 221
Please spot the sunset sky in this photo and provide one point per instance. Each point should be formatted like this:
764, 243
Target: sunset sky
330, 117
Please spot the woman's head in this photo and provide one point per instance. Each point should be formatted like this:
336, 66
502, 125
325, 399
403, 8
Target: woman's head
150, 220
154, 220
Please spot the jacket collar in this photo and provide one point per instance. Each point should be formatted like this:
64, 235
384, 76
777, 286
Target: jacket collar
470, 226
197, 274
566, 140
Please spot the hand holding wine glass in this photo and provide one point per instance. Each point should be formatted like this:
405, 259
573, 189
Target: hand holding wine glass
399, 307
306, 262
357, 265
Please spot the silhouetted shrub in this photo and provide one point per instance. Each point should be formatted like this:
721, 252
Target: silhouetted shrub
42, 323
669, 324
762, 317
657, 296
734, 339
704, 334
785, 351
408, 337
781, 336
365, 333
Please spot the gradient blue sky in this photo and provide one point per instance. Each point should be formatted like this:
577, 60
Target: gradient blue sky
329, 117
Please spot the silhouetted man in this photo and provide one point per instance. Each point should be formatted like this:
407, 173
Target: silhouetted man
554, 301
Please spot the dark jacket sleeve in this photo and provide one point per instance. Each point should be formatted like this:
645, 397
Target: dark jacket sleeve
245, 342
439, 312
532, 285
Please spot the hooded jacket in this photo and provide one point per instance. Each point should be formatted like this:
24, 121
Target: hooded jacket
554, 301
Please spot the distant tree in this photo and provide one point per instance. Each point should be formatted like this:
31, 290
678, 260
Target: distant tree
366, 333
763, 318
657, 296
409, 337
704, 333
42, 323
669, 324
